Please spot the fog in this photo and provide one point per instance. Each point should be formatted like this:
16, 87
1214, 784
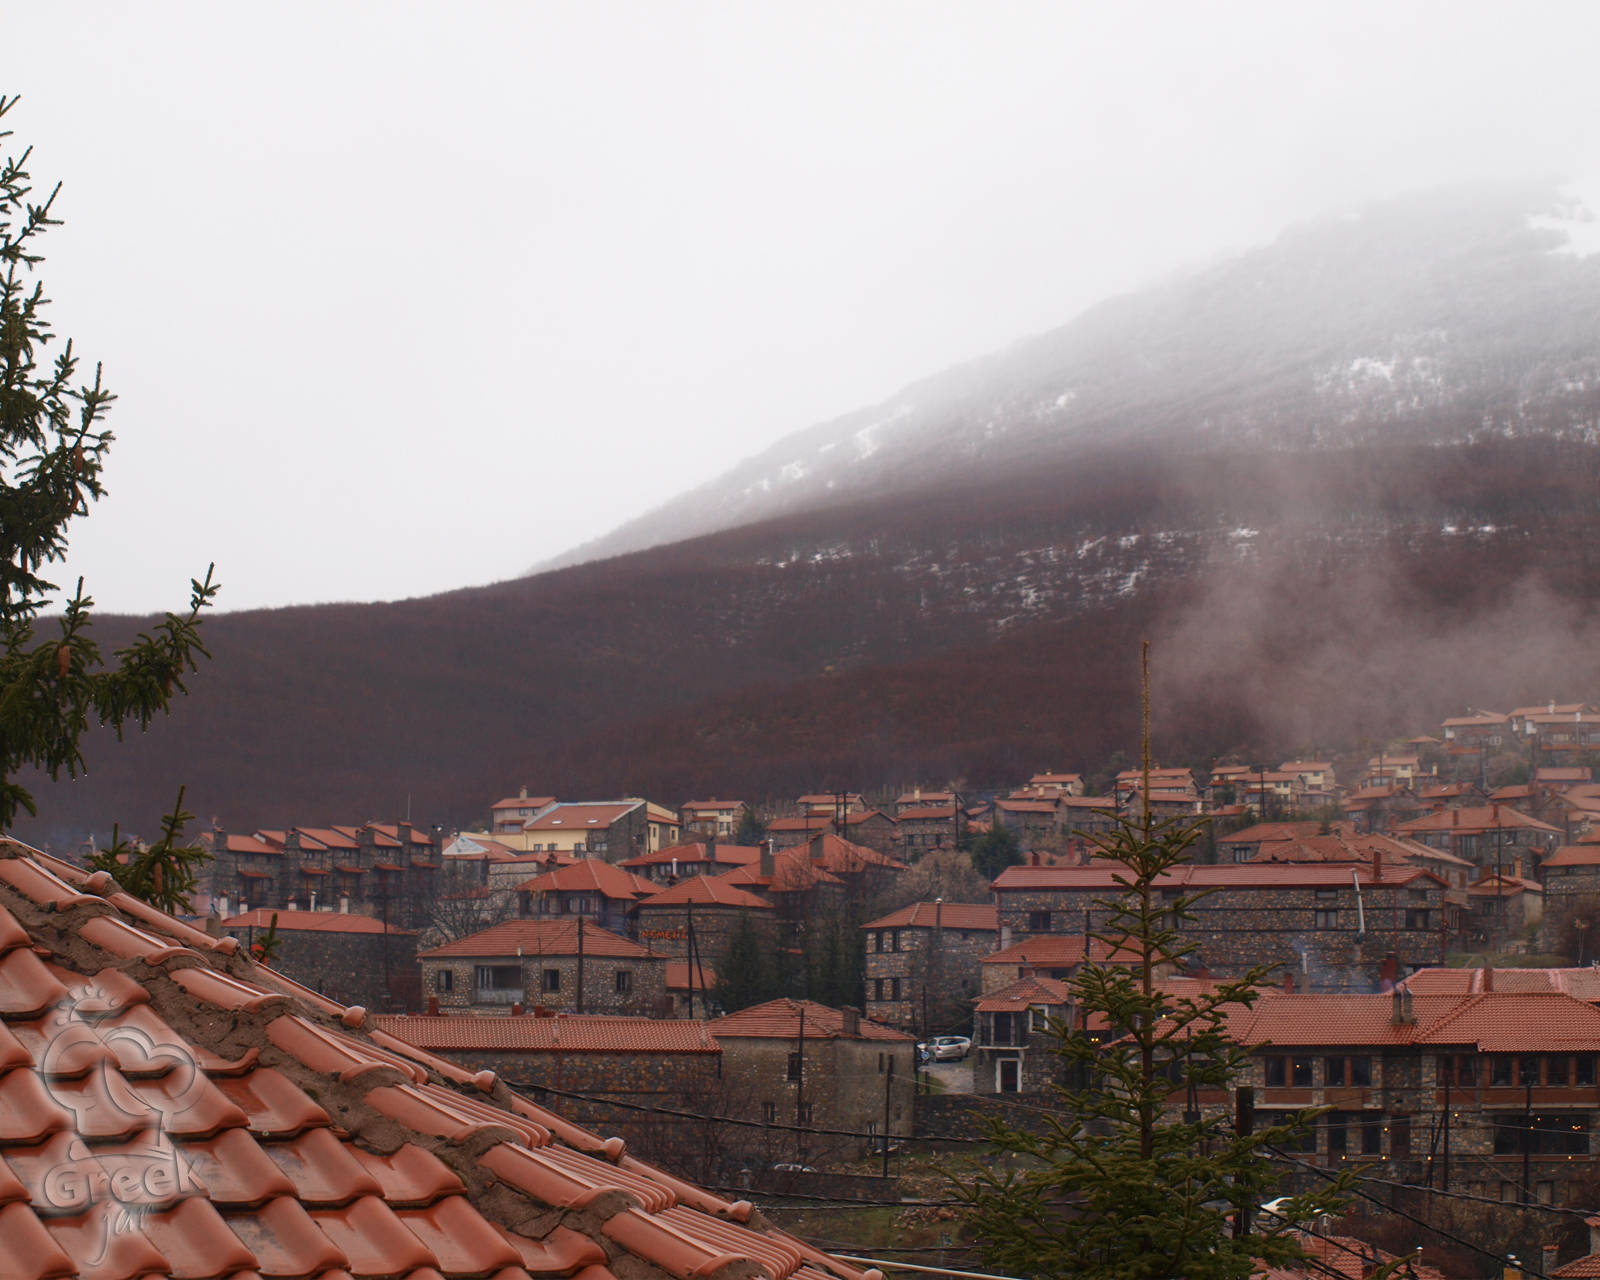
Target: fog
401, 298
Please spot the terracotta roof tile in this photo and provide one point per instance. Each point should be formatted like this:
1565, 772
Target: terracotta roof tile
241, 1172
591, 874
540, 937
569, 1033
949, 915
312, 922
780, 1019
709, 890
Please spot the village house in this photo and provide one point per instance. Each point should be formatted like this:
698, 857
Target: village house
706, 910
643, 1061
1315, 775
1461, 1091
605, 894
931, 828
1505, 908
679, 861
1053, 955
788, 879
1386, 770
1308, 918
1222, 787
829, 804
917, 798
1013, 1050
715, 818
1519, 718
922, 964
1031, 821
512, 814
1271, 793
1572, 891
1381, 808
1436, 797
1485, 836
613, 830
687, 988
870, 827
1088, 815
785, 833
1062, 784
1164, 784
797, 1062
1476, 733
1552, 739
350, 958
559, 964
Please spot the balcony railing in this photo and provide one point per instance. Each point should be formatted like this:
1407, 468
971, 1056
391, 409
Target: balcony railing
498, 995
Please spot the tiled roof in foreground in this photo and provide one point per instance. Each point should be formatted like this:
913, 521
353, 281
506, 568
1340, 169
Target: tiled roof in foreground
169, 1108
568, 1032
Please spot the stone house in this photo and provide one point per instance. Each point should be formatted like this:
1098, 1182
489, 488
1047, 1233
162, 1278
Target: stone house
927, 828
613, 831
870, 827
1061, 784
1314, 775
353, 959
799, 888
680, 861
917, 798
827, 804
923, 963
1504, 908
1031, 821
1058, 956
715, 818
1011, 1052
1509, 1076
687, 986
1554, 739
1087, 815
1439, 796
1372, 809
1303, 918
785, 833
801, 1063
561, 964
1476, 733
644, 1061
605, 894
1571, 886
709, 906
1486, 835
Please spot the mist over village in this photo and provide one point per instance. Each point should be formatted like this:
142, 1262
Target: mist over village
799, 643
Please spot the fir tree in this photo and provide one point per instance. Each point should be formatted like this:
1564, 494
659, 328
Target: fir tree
995, 850
751, 830
1150, 1197
165, 874
52, 451
744, 976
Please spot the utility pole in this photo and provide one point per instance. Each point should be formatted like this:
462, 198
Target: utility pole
800, 1081
580, 962
888, 1090
1527, 1126
1244, 1124
1445, 1184
688, 911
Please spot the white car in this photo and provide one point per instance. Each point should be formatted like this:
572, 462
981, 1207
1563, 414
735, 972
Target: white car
946, 1048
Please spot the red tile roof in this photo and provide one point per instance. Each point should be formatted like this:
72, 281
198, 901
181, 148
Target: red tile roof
524, 802
727, 854
1574, 855
1056, 949
792, 872
678, 976
1259, 875
1476, 818
1024, 994
311, 922
581, 817
1582, 984
255, 1176
539, 937
807, 822
780, 1020
253, 844
708, 890
949, 915
843, 857
1025, 806
588, 874
947, 814
567, 1032
719, 805
1504, 885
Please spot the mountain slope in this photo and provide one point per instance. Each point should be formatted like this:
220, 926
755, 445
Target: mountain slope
1445, 316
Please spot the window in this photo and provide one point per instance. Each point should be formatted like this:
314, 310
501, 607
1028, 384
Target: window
1400, 1137
1461, 1070
1327, 919
880, 1064
552, 980
1565, 1134
894, 940
1361, 1073
1500, 1069
1583, 1069
794, 1066
1039, 921
1555, 1070
1275, 1070
894, 988
499, 977
1327, 895
877, 988
1300, 1072
1527, 1069
624, 981
769, 1111
1333, 1073
445, 980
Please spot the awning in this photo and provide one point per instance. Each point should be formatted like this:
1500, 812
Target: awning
426, 866
314, 871
386, 866
348, 871
255, 875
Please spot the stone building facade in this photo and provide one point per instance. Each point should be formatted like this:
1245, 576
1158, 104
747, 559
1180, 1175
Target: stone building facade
1012, 1050
799, 1062
714, 909
1571, 888
923, 963
1339, 927
350, 958
564, 966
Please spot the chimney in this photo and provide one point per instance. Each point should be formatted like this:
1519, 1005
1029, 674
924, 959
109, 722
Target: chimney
1594, 1233
1516, 866
433, 1006
522, 793
1288, 981
516, 1010
1377, 864
852, 1021
1388, 972
1549, 1260
1488, 979
1455, 817
765, 866
1033, 859
1552, 706
916, 793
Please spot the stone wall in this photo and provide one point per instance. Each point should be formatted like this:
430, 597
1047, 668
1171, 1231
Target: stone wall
645, 996
949, 965
349, 967
666, 928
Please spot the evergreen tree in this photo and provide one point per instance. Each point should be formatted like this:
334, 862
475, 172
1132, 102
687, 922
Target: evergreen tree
744, 976
52, 452
1150, 1196
995, 850
165, 874
751, 830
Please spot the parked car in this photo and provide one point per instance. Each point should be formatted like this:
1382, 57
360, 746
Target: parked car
793, 1168
946, 1048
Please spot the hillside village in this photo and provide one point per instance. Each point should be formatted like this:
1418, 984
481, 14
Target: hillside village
888, 964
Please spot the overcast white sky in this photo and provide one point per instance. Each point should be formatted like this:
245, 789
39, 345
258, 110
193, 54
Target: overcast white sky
401, 297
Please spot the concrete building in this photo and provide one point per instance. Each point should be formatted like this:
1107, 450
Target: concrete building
558, 964
923, 963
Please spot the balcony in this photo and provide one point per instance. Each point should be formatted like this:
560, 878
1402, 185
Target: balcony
497, 995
